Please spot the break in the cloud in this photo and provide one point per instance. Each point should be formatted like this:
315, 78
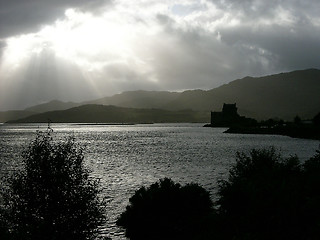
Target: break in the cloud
71, 50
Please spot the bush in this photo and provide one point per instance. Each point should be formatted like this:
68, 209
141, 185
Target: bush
269, 197
311, 208
167, 210
53, 196
4, 234
316, 120
265, 197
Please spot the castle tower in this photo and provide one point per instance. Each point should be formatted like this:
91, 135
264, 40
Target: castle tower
230, 111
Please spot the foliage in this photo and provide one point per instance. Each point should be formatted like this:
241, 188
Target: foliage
297, 120
4, 234
316, 119
265, 197
268, 197
52, 196
167, 210
311, 210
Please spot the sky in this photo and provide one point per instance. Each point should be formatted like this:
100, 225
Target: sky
79, 50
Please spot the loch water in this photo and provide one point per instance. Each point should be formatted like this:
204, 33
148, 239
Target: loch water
126, 157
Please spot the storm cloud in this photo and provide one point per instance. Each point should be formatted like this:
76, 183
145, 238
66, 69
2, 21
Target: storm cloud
107, 47
24, 16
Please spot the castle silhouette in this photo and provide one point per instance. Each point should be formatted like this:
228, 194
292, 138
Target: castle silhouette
229, 117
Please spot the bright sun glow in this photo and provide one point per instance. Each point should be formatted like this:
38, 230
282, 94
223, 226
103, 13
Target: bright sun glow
80, 38
90, 36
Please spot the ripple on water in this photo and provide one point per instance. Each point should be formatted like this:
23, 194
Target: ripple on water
128, 157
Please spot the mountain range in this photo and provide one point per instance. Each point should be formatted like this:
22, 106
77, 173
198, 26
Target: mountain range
283, 95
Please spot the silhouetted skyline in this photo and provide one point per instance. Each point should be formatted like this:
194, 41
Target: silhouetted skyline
77, 51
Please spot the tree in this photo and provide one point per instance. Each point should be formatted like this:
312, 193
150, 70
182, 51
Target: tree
269, 197
167, 210
4, 233
265, 197
311, 208
53, 195
316, 119
297, 120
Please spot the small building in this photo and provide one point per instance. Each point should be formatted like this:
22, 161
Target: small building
229, 117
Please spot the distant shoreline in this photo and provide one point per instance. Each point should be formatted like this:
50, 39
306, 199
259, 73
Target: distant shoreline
105, 124
294, 132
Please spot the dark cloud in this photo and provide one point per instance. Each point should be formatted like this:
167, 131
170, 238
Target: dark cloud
285, 48
257, 9
196, 58
24, 16
201, 61
268, 37
121, 77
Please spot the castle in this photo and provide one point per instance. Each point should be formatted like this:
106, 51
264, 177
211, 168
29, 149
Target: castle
229, 117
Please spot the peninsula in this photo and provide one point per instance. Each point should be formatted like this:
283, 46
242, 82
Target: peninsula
229, 117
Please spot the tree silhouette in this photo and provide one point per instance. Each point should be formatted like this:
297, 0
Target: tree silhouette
167, 210
316, 119
52, 196
297, 120
311, 208
269, 197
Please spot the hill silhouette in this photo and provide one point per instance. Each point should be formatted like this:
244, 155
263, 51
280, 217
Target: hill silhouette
139, 99
45, 107
10, 115
283, 95
52, 106
92, 113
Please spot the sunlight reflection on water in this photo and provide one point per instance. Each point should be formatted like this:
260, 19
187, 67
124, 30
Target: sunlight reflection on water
127, 157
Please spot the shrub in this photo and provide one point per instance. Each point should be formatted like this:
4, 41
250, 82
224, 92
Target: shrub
4, 234
316, 120
53, 196
269, 197
265, 197
311, 208
167, 210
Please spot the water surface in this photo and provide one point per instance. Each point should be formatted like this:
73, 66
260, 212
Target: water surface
128, 157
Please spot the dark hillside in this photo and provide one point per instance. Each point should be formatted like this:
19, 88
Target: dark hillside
112, 114
283, 95
138, 99
11, 115
52, 106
